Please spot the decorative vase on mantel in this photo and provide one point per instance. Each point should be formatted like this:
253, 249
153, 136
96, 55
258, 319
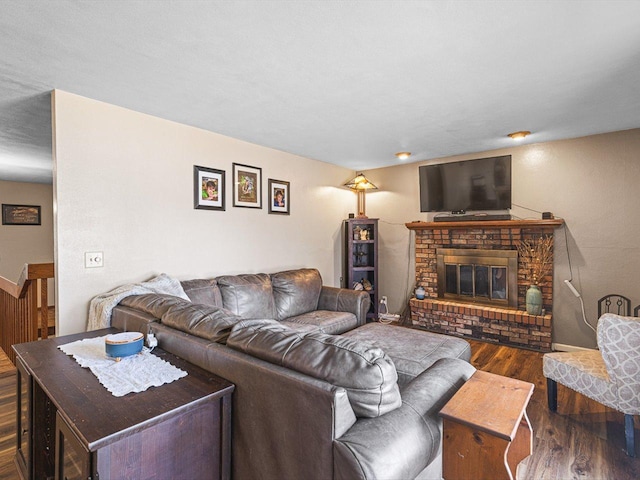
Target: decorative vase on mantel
534, 300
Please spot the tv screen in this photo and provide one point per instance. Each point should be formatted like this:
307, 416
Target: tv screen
482, 184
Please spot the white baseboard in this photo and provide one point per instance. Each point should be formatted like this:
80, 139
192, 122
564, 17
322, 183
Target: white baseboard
561, 347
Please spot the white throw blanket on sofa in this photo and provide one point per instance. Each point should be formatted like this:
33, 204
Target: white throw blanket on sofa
102, 305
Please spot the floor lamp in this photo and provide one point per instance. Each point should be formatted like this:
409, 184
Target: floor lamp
360, 185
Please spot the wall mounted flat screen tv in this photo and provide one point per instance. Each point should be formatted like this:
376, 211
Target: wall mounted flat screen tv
482, 184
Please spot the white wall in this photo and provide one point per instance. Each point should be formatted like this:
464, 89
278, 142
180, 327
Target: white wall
20, 244
590, 182
123, 184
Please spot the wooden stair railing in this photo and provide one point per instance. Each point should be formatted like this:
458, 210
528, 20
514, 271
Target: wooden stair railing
20, 318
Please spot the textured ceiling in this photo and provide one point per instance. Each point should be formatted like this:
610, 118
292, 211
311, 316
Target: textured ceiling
349, 83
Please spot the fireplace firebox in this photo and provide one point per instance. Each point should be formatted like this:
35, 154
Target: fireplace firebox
478, 276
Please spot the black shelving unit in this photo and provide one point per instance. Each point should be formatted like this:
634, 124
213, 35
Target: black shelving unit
361, 258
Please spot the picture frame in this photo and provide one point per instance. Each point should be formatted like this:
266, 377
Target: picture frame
247, 186
279, 197
208, 188
21, 214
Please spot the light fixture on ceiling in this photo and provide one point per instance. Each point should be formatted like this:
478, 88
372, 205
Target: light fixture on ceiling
360, 184
519, 135
403, 155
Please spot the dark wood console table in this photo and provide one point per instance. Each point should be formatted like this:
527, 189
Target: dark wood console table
70, 426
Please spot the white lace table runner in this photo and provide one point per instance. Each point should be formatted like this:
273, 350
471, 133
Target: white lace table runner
134, 373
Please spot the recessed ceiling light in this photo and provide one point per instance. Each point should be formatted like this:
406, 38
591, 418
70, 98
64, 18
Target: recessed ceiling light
519, 135
403, 155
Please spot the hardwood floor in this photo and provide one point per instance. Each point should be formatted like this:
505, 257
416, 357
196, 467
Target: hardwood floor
6, 367
7, 426
582, 441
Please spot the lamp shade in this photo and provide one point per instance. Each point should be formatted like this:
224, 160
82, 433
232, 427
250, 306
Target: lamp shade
360, 182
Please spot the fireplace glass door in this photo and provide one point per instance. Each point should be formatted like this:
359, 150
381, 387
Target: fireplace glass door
482, 285
499, 282
483, 276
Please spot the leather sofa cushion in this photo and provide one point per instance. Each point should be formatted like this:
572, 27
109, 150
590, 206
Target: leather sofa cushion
365, 372
412, 350
296, 292
249, 296
204, 291
326, 321
155, 304
205, 321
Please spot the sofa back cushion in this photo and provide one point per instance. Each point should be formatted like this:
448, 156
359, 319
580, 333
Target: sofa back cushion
248, 296
205, 321
204, 291
365, 372
155, 304
296, 292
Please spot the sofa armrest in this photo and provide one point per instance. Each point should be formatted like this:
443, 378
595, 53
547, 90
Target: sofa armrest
405, 441
345, 300
136, 313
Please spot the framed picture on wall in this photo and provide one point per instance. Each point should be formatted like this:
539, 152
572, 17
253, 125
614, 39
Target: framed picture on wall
21, 214
247, 186
279, 199
208, 188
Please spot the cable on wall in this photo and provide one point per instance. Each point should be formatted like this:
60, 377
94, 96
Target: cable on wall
566, 244
526, 208
405, 314
570, 285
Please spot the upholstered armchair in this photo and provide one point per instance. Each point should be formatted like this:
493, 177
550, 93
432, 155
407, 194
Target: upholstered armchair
610, 375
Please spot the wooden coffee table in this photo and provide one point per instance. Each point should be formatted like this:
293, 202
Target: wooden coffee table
486, 429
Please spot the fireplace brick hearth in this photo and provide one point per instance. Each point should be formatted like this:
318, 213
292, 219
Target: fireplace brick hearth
499, 325
503, 325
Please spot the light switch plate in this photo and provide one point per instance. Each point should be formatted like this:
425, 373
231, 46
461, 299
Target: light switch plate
93, 259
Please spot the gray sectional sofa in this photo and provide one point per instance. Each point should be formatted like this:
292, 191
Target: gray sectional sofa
320, 394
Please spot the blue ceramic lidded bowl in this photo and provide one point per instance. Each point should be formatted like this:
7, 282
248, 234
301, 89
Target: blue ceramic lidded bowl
119, 345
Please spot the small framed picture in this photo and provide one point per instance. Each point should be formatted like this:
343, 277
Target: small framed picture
208, 188
21, 214
247, 186
279, 198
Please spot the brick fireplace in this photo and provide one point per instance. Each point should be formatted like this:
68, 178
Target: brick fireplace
478, 318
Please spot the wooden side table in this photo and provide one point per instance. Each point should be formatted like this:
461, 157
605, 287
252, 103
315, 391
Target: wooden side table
486, 429
70, 426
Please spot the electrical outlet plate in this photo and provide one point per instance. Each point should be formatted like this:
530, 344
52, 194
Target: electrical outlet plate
383, 299
93, 259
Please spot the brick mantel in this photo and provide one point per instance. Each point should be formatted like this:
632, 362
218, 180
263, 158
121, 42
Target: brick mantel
503, 325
